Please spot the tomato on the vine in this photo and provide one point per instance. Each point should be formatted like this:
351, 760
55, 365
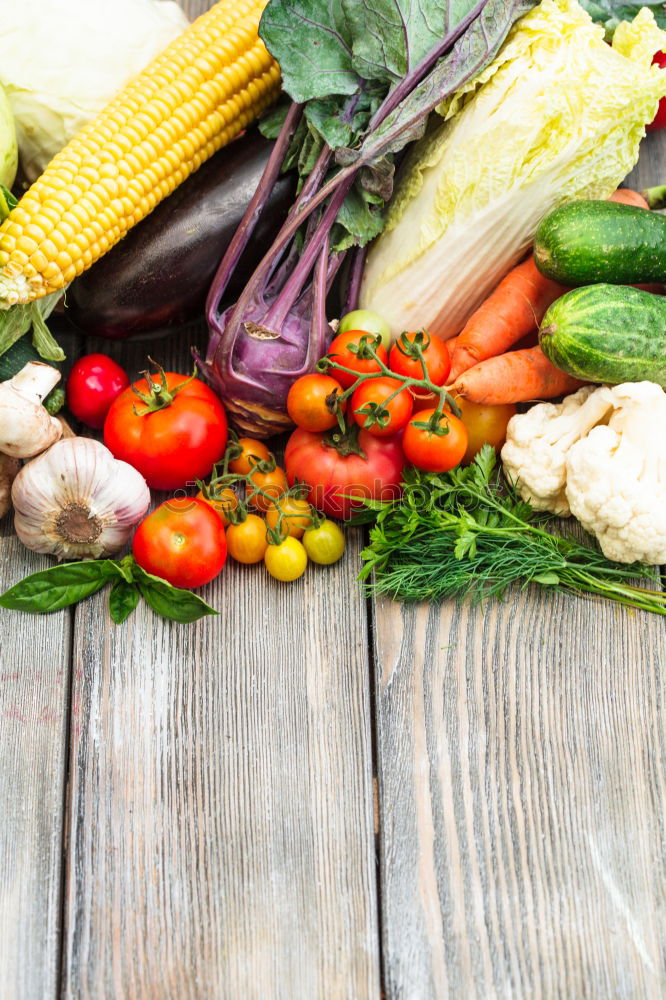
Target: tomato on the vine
292, 514
340, 352
274, 483
252, 451
431, 450
325, 543
221, 499
484, 425
172, 430
93, 383
182, 541
373, 408
359, 465
286, 561
435, 355
311, 402
246, 541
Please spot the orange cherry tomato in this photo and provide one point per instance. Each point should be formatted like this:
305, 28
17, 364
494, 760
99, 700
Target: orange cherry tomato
222, 501
247, 540
311, 402
251, 449
296, 516
274, 483
484, 425
432, 451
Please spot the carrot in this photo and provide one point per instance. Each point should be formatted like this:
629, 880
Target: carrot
515, 377
628, 197
512, 310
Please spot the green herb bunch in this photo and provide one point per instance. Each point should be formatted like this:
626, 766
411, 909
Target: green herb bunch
467, 534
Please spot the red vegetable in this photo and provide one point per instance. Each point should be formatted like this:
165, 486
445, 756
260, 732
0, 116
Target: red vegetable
92, 385
182, 541
330, 471
173, 430
430, 450
659, 120
373, 408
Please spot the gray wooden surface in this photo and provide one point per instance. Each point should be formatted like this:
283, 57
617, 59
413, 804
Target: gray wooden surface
188, 811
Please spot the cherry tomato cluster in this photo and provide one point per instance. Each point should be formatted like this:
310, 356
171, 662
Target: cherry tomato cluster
265, 518
382, 392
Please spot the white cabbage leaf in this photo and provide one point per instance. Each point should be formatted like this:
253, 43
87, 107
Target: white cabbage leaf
558, 116
8, 147
62, 61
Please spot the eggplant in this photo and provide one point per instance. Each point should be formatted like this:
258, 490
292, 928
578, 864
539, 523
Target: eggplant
155, 280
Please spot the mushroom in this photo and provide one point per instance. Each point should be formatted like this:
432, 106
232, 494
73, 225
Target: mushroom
26, 428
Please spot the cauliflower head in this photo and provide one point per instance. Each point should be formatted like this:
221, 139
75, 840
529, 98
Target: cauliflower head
534, 455
616, 476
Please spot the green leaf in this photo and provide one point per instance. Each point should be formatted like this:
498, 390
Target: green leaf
391, 37
123, 599
59, 586
7, 202
311, 41
547, 579
171, 602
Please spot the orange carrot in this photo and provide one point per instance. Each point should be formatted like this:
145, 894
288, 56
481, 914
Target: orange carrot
628, 197
515, 377
511, 311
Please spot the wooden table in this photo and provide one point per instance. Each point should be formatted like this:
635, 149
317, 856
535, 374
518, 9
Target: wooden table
317, 797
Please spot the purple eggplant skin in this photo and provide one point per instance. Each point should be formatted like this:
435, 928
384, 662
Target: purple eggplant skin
155, 280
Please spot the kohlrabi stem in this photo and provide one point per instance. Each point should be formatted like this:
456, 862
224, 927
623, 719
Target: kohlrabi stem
354, 279
655, 196
246, 227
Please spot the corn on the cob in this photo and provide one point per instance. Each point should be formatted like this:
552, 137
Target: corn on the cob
202, 90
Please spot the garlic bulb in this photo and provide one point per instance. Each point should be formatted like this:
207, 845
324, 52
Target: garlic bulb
8, 470
76, 500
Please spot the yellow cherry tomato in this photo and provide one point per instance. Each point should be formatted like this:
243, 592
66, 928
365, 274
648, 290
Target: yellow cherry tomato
246, 542
296, 516
286, 561
484, 425
325, 544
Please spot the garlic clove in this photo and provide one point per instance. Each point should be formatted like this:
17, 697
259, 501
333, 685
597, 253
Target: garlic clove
9, 468
76, 500
26, 428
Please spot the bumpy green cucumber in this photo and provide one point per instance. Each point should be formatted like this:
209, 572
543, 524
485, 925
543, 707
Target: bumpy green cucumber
584, 242
607, 333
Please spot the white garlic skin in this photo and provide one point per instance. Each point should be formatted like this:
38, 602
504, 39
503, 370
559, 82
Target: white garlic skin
76, 501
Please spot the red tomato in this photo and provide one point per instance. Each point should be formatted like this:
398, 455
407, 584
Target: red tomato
310, 460
182, 541
339, 352
175, 444
659, 120
311, 402
92, 385
373, 397
435, 354
430, 451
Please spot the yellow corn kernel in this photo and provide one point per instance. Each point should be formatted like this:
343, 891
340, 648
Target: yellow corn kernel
196, 96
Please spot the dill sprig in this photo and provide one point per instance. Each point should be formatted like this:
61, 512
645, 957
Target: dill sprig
467, 534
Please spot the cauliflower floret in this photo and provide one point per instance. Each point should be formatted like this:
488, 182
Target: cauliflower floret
537, 442
616, 476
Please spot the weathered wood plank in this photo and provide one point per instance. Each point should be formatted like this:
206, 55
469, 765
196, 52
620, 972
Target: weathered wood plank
522, 793
221, 830
34, 711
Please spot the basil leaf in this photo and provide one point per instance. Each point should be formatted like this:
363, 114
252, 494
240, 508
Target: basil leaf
59, 586
311, 41
123, 599
171, 602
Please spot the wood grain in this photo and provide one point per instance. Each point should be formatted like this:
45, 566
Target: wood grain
34, 711
522, 793
221, 829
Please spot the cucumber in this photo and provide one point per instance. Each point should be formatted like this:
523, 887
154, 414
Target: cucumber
607, 333
585, 242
